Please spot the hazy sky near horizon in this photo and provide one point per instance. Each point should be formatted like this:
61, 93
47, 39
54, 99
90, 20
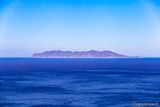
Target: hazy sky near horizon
131, 27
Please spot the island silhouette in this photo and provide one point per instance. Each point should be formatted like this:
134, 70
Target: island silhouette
78, 54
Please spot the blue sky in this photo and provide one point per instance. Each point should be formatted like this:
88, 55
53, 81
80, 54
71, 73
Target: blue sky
131, 27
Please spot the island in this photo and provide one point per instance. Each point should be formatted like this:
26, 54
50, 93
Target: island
78, 54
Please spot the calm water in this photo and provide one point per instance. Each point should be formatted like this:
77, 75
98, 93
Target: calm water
26, 82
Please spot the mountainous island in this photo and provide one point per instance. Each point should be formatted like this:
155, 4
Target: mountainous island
78, 54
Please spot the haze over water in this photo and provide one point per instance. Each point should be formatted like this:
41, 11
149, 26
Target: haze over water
129, 27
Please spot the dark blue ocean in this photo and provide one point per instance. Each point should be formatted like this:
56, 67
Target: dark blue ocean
27, 82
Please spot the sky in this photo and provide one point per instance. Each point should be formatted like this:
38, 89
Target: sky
130, 27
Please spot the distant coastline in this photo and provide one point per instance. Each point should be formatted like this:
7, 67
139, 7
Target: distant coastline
78, 54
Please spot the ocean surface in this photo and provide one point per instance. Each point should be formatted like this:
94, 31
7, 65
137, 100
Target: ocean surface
27, 82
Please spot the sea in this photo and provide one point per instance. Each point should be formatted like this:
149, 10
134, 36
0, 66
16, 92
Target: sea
44, 82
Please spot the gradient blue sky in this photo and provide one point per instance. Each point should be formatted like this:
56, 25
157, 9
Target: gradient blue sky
131, 27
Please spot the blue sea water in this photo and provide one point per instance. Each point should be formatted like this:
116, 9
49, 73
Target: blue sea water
29, 82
